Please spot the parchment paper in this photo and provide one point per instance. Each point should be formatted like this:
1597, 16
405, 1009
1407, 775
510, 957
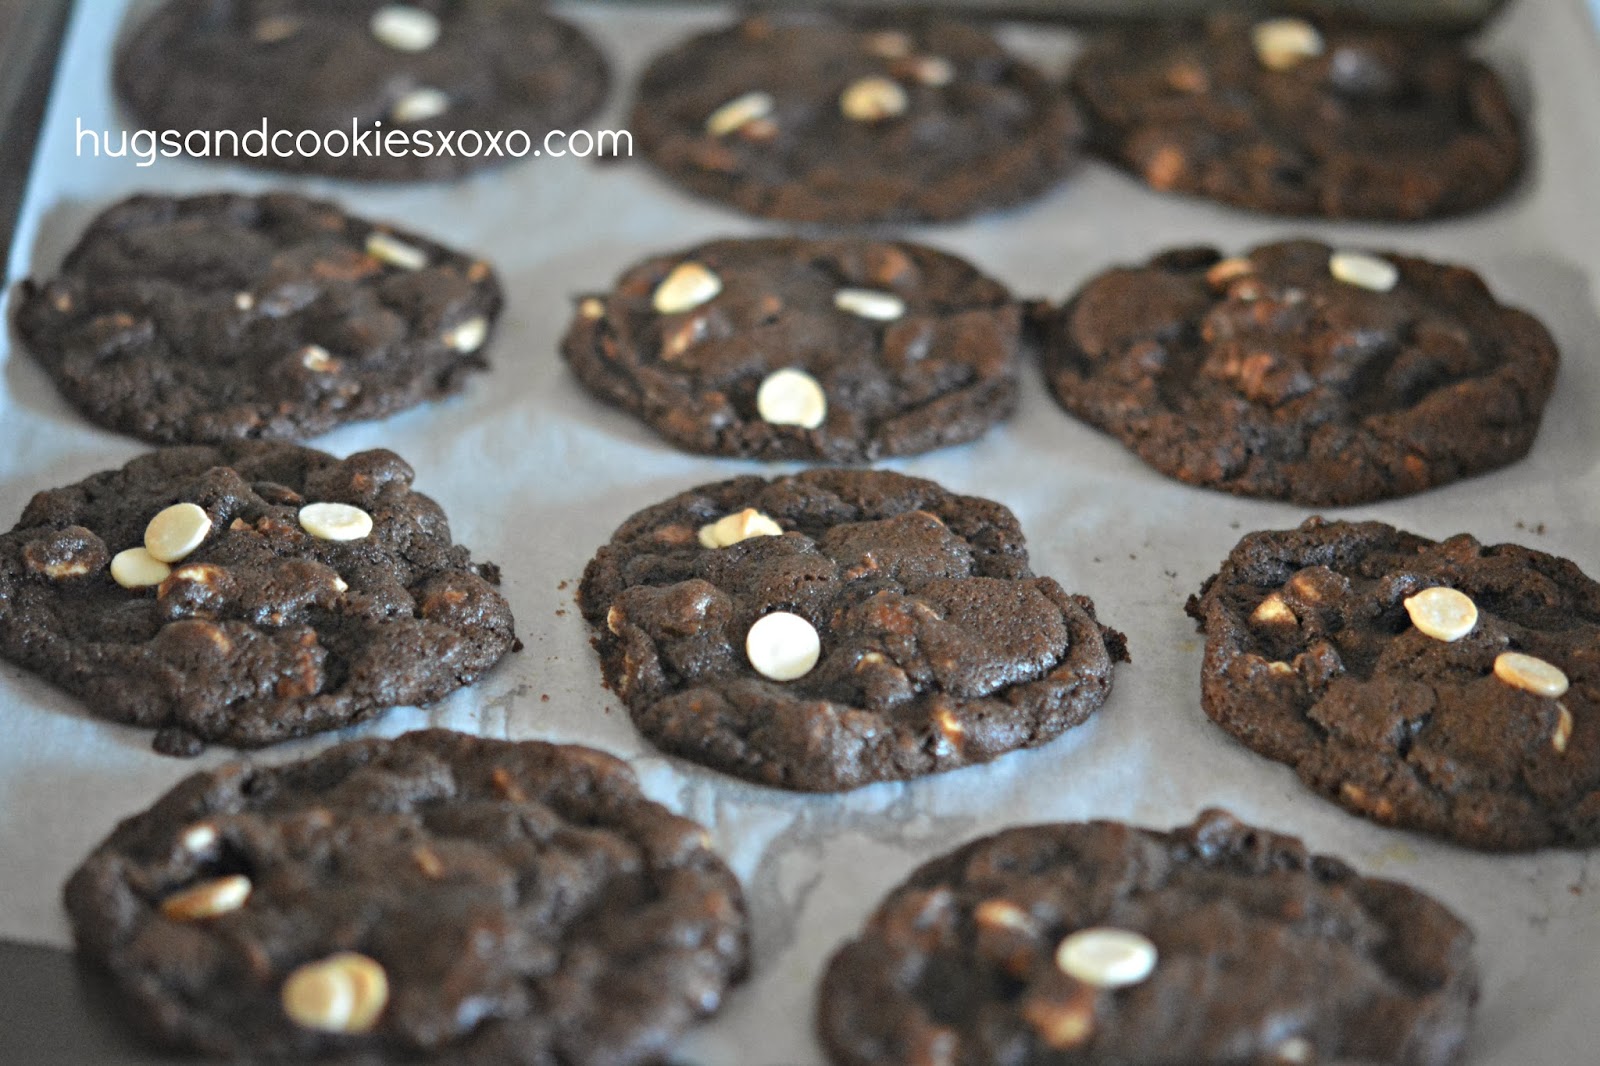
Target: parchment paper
535, 475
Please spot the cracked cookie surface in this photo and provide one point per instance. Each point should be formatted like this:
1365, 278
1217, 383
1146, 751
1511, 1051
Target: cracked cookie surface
899, 348
221, 317
263, 631
437, 72
1254, 950
1269, 375
1320, 655
935, 646
1344, 123
811, 117
497, 902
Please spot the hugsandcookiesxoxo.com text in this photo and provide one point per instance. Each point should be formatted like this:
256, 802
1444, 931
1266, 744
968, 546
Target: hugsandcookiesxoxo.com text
369, 140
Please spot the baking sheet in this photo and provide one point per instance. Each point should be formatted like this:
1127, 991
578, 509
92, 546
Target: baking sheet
535, 475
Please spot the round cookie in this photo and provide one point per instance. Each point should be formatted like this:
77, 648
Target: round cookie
1300, 373
1394, 674
900, 348
811, 117
247, 594
219, 317
839, 627
1293, 118
403, 91
437, 895
1101, 943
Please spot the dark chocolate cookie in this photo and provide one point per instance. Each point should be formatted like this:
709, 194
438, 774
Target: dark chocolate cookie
1217, 944
427, 90
247, 594
1299, 373
1445, 686
816, 118
1285, 116
840, 627
437, 895
778, 348
220, 317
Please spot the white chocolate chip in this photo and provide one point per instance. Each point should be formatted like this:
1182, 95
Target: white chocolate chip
1107, 958
1284, 43
176, 531
783, 646
199, 838
405, 28
469, 336
315, 357
688, 286
243, 301
791, 397
734, 528
340, 585
335, 521
869, 303
592, 308
1273, 611
419, 105
1296, 1051
873, 99
1224, 271
934, 71
888, 44
1530, 674
1563, 733
344, 993
1003, 914
207, 899
740, 112
1363, 271
397, 253
1442, 613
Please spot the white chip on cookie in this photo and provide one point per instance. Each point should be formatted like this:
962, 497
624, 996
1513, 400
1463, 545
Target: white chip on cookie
1107, 958
1284, 43
419, 105
405, 28
740, 112
1363, 271
783, 646
176, 531
870, 303
1531, 674
791, 397
397, 253
689, 285
1442, 613
873, 100
335, 521
740, 526
469, 336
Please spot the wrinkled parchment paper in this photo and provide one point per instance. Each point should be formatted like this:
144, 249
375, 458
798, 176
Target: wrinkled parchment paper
535, 475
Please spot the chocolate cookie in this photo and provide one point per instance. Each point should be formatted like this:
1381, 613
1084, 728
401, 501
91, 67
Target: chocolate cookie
1285, 116
219, 317
1299, 373
247, 594
1212, 945
820, 118
1445, 686
839, 627
428, 90
778, 348
438, 895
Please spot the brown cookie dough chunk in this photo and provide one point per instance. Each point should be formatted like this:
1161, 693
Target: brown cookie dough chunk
1101, 943
781, 348
1446, 687
1302, 373
247, 594
221, 317
819, 118
439, 79
839, 627
1285, 116
437, 895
